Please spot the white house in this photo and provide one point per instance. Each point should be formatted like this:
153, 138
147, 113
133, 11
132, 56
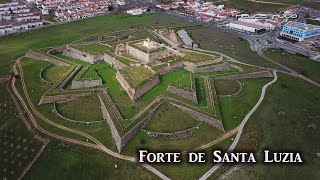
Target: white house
137, 11
245, 26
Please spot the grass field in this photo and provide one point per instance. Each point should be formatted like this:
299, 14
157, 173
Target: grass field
288, 120
138, 75
83, 109
196, 57
227, 87
142, 140
170, 119
250, 7
54, 73
184, 81
18, 146
231, 45
201, 92
91, 73
193, 170
234, 108
65, 161
301, 64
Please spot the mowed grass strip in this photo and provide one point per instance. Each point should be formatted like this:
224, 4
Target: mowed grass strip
82, 109
169, 119
227, 87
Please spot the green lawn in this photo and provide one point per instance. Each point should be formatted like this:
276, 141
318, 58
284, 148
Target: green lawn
138, 75
91, 73
301, 64
201, 92
227, 87
96, 48
184, 81
168, 119
234, 108
287, 121
83, 109
54, 73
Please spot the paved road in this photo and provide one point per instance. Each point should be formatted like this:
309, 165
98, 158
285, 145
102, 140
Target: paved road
243, 123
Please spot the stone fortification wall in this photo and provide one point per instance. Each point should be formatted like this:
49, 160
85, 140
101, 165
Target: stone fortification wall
200, 117
146, 87
114, 132
174, 135
66, 81
43, 71
59, 49
60, 98
125, 85
260, 74
170, 68
110, 60
85, 83
84, 56
35, 55
142, 124
156, 55
190, 95
169, 40
209, 68
133, 93
141, 56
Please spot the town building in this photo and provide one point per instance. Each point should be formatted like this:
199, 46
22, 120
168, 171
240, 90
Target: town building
137, 11
245, 26
16, 16
299, 31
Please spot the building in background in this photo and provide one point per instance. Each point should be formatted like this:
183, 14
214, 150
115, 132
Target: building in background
299, 31
16, 16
